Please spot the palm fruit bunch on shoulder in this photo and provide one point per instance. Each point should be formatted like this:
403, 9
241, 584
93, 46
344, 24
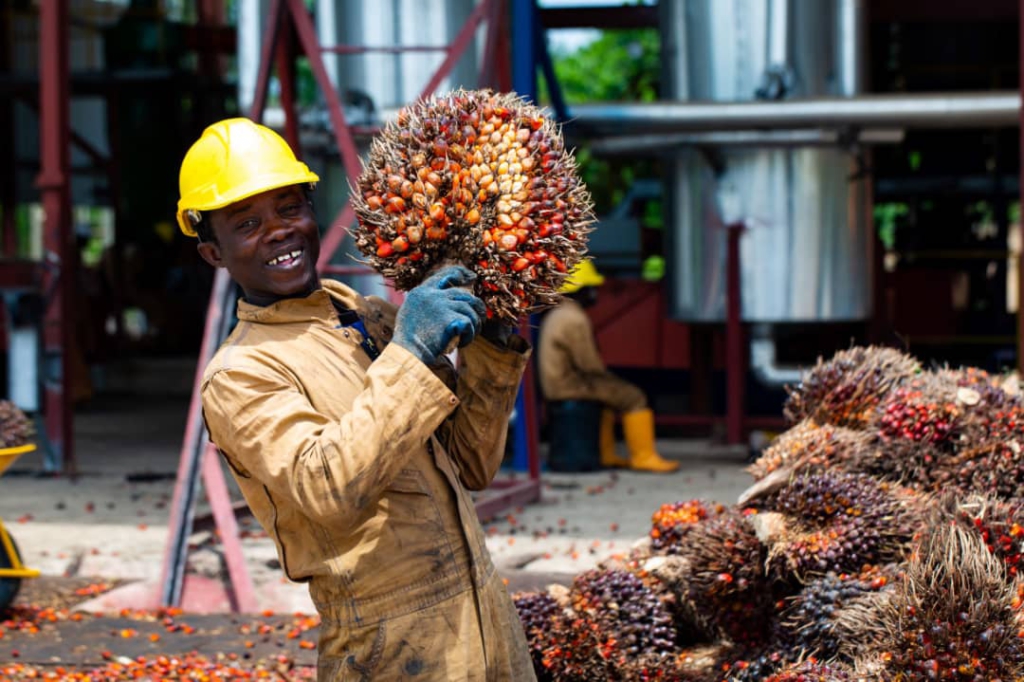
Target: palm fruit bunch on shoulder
811, 671
538, 612
810, 446
846, 390
833, 522
671, 523
15, 427
717, 575
807, 624
478, 178
952, 617
636, 630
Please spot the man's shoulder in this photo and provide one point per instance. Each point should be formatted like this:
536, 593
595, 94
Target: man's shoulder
244, 348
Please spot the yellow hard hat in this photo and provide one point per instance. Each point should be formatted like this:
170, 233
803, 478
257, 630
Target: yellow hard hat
234, 159
583, 275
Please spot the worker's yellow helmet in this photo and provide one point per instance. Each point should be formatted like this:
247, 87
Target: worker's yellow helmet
234, 159
583, 275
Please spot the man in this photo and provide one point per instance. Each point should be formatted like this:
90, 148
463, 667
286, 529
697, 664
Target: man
349, 433
571, 369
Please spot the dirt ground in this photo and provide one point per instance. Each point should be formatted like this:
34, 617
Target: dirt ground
42, 636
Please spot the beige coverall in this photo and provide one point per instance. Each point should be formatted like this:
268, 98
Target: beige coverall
360, 473
570, 364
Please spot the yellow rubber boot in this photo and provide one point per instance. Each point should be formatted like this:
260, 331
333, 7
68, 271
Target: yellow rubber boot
639, 428
609, 459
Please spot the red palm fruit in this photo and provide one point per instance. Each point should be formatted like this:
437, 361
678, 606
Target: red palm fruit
467, 163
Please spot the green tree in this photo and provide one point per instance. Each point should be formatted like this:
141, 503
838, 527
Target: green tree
619, 66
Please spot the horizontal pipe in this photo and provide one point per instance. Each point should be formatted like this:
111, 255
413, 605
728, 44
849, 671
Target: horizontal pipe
634, 144
941, 110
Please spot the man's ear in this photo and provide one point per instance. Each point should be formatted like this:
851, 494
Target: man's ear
210, 253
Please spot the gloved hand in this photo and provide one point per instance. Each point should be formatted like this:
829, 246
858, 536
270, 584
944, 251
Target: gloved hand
436, 312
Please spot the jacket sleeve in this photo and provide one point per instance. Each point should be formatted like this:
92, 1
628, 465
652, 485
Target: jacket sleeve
488, 381
579, 343
331, 469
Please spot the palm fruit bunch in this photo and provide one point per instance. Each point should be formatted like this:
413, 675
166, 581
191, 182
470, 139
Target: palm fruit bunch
832, 521
718, 577
846, 390
810, 671
15, 428
538, 612
810, 446
637, 629
674, 520
994, 393
807, 623
951, 618
920, 428
478, 178
754, 667
993, 460
999, 525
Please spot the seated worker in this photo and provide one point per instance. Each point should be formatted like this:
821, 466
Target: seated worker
352, 438
570, 368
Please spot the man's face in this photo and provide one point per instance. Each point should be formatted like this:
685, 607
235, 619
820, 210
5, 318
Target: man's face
269, 244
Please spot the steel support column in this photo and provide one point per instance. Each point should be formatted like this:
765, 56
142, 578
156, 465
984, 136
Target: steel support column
734, 343
54, 186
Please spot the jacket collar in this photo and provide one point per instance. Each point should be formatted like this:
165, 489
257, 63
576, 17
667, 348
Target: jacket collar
316, 306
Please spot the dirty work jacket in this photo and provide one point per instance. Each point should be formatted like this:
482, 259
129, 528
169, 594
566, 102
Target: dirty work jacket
570, 365
360, 473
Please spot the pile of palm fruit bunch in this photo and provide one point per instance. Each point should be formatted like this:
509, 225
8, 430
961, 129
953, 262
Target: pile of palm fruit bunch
480, 179
15, 428
882, 539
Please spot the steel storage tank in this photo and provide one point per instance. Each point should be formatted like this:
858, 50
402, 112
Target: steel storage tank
806, 253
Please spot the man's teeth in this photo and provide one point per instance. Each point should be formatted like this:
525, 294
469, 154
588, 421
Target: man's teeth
285, 257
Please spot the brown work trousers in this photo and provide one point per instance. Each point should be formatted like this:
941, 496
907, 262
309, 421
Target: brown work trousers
465, 638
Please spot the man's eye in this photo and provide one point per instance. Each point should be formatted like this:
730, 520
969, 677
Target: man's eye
248, 224
291, 209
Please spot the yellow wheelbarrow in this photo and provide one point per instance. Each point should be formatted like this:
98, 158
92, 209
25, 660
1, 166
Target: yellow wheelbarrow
12, 571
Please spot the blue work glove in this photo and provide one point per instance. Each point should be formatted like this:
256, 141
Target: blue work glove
437, 311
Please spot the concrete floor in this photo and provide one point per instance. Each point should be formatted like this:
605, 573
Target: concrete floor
111, 523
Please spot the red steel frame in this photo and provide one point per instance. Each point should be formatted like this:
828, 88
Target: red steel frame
289, 20
54, 184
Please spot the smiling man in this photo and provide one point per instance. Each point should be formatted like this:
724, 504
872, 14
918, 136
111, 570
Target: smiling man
352, 438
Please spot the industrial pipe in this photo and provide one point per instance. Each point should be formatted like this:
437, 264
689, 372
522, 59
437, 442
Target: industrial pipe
632, 145
942, 110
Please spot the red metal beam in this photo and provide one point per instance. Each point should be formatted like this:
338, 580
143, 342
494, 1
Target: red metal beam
458, 46
397, 49
54, 186
286, 77
242, 589
734, 356
259, 100
303, 24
